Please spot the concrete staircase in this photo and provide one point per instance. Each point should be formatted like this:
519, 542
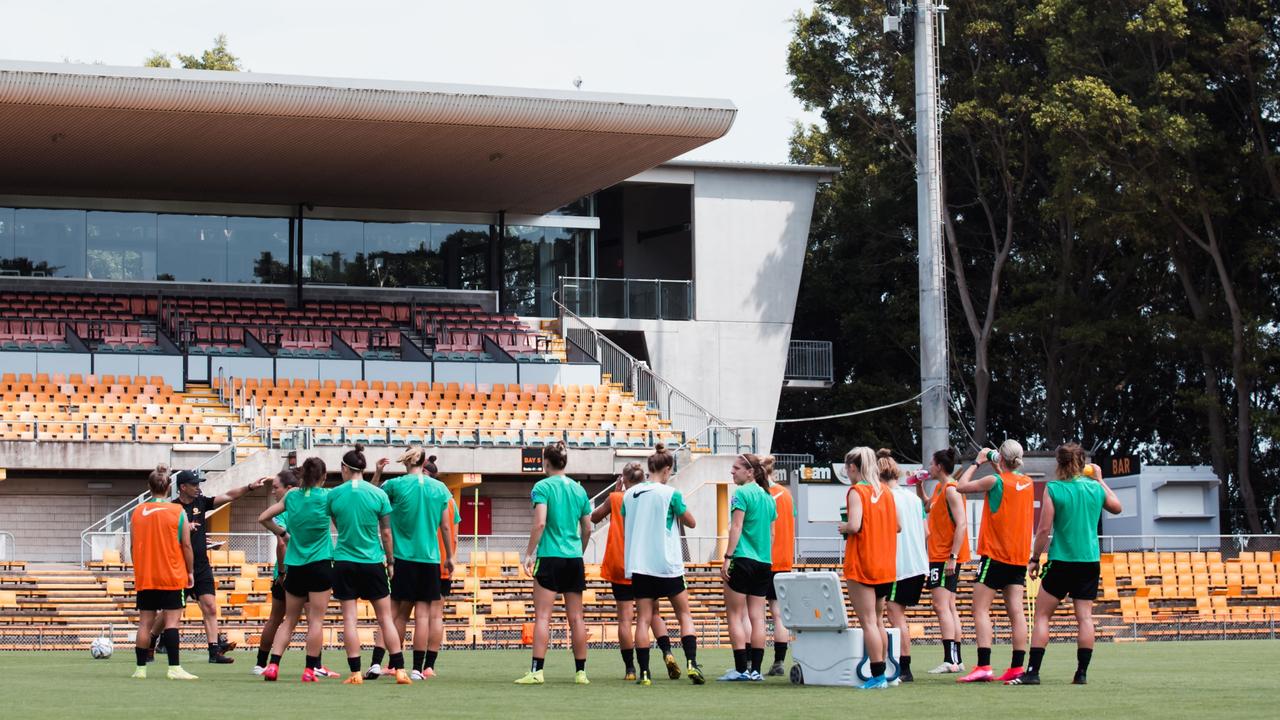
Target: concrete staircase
217, 413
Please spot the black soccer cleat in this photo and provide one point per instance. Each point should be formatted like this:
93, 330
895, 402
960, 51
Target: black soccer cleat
1025, 679
220, 659
1079, 679
907, 677
776, 670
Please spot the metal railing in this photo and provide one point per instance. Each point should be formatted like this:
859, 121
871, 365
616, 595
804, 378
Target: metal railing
628, 298
98, 431
809, 362
635, 376
784, 464
261, 547
1229, 545
8, 548
306, 436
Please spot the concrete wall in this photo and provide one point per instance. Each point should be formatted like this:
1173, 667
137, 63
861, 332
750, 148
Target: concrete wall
46, 514
750, 235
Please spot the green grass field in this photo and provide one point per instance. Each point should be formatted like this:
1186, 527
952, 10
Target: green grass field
1171, 680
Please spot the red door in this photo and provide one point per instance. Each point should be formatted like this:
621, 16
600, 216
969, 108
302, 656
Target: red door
476, 514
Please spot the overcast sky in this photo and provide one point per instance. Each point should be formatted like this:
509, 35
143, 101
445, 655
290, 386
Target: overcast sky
700, 48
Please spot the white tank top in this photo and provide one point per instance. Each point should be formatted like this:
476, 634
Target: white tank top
913, 558
652, 548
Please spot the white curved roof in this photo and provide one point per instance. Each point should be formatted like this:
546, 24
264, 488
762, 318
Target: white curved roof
70, 129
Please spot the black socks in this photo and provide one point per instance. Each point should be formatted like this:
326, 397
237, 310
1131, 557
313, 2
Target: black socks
275, 659
642, 656
214, 649
579, 664
1019, 657
396, 661
171, 645
378, 654
904, 665
140, 654
313, 662
689, 643
878, 668
1083, 656
664, 644
262, 657
740, 659
431, 659
757, 659
353, 664
419, 657
628, 658
1037, 658
537, 664
984, 656
779, 651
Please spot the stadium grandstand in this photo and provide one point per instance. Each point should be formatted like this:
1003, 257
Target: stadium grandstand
228, 272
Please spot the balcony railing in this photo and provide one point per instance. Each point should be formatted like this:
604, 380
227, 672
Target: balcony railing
628, 298
808, 364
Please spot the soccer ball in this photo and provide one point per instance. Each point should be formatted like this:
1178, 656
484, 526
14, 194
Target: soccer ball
101, 648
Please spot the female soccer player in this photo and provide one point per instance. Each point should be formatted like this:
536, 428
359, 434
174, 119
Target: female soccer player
784, 559
1071, 509
561, 530
913, 561
362, 559
308, 564
948, 544
1004, 542
280, 485
870, 553
163, 566
654, 512
419, 526
747, 559
613, 570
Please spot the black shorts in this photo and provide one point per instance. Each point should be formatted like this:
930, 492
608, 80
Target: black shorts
1060, 578
998, 576
157, 600
906, 592
204, 584
302, 580
446, 587
277, 589
623, 592
652, 587
937, 578
562, 575
750, 577
413, 581
883, 590
359, 581
773, 590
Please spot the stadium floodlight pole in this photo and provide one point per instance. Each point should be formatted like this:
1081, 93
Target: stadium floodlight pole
934, 425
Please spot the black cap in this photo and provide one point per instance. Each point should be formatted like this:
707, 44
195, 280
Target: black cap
189, 477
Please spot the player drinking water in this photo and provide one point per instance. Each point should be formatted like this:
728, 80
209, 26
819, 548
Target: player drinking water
561, 530
948, 546
870, 553
1071, 509
654, 512
308, 564
613, 570
1004, 542
747, 559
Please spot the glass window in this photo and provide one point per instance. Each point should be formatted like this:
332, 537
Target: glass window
6, 243
192, 248
533, 261
403, 255
49, 243
333, 252
584, 206
121, 245
466, 254
258, 250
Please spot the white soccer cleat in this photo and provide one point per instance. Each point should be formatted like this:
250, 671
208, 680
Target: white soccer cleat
257, 669
946, 668
415, 675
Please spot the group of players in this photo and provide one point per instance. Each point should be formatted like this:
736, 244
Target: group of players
396, 543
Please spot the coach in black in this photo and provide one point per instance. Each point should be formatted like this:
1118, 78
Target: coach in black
198, 507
